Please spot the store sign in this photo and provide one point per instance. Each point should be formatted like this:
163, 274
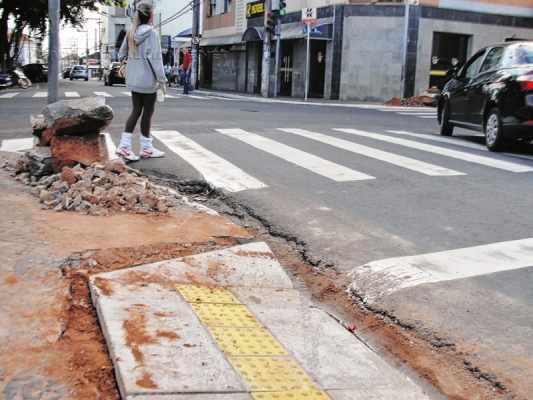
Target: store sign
255, 9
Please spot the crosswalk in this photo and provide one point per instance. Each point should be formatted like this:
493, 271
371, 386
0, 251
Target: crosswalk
416, 112
76, 94
227, 174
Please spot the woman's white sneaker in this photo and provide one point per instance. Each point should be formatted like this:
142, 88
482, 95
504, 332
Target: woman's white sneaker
127, 154
152, 152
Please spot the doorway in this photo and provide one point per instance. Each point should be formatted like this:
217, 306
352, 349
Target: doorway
449, 50
317, 70
286, 68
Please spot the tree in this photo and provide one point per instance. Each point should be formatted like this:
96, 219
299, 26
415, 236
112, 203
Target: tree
33, 14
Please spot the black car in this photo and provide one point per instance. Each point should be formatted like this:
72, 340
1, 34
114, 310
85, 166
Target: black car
492, 93
112, 75
36, 72
66, 72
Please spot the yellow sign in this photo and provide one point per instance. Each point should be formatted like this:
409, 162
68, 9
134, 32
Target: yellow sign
255, 9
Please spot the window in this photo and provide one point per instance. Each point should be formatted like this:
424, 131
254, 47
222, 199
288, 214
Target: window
217, 7
519, 54
471, 69
492, 61
212, 7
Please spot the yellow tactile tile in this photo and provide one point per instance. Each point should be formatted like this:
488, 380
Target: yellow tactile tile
204, 294
232, 315
247, 341
311, 394
272, 373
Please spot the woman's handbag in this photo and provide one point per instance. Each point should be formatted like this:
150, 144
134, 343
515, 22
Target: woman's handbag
123, 69
161, 87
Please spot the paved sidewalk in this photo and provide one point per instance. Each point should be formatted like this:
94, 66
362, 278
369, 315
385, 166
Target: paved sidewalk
229, 324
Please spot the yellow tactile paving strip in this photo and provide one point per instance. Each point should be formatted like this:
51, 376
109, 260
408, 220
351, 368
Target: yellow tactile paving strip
263, 363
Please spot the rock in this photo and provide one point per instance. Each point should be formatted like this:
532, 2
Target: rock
60, 186
161, 206
40, 162
45, 196
38, 124
68, 176
149, 200
72, 150
81, 117
117, 166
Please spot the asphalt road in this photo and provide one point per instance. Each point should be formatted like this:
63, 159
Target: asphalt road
371, 194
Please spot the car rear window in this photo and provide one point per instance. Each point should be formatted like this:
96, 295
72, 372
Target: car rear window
520, 54
79, 69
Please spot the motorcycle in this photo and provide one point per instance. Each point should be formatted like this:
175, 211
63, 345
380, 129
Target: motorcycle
20, 78
14, 77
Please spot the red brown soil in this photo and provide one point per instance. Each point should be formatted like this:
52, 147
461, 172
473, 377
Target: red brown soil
135, 332
442, 368
11, 279
146, 381
104, 285
168, 335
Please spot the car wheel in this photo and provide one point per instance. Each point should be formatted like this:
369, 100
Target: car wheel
86, 79
494, 136
446, 127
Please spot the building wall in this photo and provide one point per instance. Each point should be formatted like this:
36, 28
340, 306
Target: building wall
229, 71
372, 58
523, 8
481, 35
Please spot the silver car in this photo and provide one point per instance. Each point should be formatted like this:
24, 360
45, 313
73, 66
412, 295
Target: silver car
79, 72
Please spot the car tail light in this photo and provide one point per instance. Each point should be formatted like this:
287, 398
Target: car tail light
526, 81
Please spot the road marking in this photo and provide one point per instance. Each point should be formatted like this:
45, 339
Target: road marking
216, 170
408, 109
103, 94
169, 96
427, 116
126, 94
14, 145
261, 361
390, 275
9, 95
192, 96
40, 94
418, 114
391, 158
457, 141
110, 146
72, 94
297, 157
460, 155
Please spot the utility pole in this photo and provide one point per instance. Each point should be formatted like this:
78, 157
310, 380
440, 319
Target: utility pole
53, 51
195, 42
265, 70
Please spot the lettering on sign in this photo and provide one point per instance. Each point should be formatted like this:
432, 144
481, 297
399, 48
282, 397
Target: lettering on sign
255, 9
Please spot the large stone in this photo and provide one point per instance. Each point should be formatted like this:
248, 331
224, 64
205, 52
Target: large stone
39, 161
80, 117
71, 150
38, 124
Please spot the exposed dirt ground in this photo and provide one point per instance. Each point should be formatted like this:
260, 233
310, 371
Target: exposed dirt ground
50, 332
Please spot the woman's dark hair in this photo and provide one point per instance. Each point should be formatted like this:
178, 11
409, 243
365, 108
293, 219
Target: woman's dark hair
144, 18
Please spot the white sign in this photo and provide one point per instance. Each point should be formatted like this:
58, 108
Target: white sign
308, 15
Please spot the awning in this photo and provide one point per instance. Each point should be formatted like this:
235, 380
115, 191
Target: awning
322, 30
253, 34
220, 40
185, 33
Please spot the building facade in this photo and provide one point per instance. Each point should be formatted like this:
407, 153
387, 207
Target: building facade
358, 51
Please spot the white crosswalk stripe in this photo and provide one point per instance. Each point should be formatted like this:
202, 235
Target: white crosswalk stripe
216, 170
40, 94
128, 94
169, 96
110, 146
391, 158
300, 158
103, 94
14, 145
72, 94
460, 155
9, 95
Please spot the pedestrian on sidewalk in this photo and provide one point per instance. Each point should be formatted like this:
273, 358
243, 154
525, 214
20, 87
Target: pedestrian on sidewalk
175, 74
144, 76
186, 67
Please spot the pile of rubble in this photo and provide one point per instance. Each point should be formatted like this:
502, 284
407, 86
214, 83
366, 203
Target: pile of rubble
95, 190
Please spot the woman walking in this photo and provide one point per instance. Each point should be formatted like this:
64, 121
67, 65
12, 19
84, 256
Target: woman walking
144, 75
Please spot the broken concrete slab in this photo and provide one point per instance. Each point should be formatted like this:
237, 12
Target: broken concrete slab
163, 345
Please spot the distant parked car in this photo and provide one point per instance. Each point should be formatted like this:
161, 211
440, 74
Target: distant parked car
5, 80
36, 72
492, 93
66, 72
79, 72
112, 75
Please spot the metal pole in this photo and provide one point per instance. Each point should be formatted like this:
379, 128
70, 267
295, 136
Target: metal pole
307, 62
276, 68
195, 43
87, 55
53, 51
265, 70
